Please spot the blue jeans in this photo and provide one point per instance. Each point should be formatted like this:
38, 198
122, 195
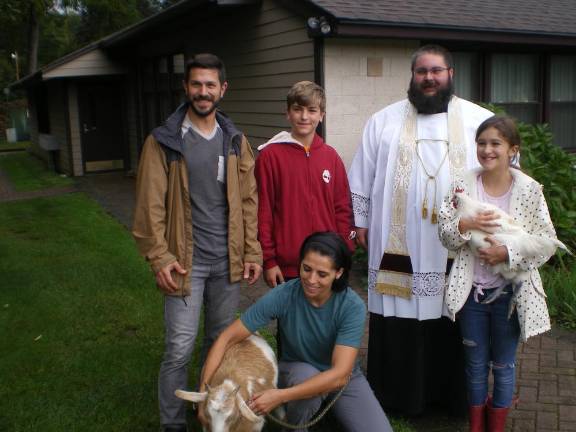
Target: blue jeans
490, 340
212, 289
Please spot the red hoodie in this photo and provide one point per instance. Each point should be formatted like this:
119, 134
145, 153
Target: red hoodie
299, 192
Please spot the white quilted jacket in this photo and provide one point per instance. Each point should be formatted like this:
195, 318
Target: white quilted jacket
528, 208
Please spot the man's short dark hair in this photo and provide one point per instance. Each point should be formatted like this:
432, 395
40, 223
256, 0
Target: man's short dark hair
433, 49
206, 61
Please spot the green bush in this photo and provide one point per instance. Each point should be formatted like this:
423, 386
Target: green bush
555, 169
561, 299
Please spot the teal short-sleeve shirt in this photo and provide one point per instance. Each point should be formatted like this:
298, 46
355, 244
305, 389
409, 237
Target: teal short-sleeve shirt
308, 333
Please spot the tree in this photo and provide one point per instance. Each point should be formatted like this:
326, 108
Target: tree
41, 31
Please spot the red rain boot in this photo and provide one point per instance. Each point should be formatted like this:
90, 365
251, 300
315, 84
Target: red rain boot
496, 418
477, 414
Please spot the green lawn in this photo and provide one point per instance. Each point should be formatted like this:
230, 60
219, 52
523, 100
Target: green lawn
20, 145
28, 173
80, 322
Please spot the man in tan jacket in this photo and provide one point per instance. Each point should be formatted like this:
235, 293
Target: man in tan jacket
196, 223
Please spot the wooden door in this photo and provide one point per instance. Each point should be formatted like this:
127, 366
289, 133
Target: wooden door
102, 126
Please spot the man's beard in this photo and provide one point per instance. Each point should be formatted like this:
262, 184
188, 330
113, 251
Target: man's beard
206, 113
434, 104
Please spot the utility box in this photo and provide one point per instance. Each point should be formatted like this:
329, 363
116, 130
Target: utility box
19, 121
11, 136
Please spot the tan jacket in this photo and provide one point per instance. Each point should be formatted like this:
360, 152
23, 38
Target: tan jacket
163, 215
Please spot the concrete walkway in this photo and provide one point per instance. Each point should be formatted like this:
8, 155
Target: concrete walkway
7, 192
546, 368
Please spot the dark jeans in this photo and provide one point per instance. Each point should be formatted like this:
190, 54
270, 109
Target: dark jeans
490, 340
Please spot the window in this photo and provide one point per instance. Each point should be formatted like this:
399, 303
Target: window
466, 75
533, 88
514, 85
161, 86
563, 100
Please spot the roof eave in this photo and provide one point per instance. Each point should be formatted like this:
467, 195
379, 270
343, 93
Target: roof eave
372, 29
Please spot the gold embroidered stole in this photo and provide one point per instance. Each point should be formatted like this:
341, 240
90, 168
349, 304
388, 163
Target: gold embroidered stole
392, 280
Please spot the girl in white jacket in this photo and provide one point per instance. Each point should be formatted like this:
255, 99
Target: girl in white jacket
493, 320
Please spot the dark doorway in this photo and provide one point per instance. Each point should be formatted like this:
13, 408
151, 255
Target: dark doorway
102, 126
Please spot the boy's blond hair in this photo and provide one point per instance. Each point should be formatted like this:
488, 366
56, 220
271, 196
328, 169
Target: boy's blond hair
306, 93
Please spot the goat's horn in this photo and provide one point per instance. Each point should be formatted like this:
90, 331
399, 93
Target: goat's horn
235, 390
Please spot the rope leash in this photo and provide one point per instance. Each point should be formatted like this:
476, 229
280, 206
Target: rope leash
315, 420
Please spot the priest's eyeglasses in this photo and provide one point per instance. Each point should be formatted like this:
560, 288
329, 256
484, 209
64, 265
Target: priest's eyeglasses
422, 71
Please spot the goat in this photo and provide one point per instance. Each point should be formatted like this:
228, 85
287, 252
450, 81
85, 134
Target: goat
507, 233
247, 367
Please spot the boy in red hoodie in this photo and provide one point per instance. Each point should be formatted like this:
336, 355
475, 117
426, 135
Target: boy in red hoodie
302, 186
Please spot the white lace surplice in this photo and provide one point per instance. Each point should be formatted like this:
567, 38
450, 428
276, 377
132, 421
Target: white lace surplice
371, 174
427, 254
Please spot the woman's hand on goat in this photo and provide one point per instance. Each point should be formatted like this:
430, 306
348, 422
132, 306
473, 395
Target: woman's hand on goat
484, 221
264, 402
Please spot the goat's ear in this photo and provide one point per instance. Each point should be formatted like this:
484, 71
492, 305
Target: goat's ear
245, 409
191, 396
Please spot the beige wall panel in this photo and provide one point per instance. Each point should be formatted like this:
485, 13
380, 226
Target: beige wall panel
352, 95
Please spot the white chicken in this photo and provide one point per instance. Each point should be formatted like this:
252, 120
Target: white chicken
507, 233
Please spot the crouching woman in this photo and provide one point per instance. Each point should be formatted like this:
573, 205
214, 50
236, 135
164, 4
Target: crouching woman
322, 322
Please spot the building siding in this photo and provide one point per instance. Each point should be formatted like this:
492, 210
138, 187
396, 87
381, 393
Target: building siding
74, 123
133, 121
273, 53
352, 95
94, 62
33, 126
56, 92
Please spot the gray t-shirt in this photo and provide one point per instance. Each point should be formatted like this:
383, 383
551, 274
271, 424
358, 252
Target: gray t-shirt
207, 184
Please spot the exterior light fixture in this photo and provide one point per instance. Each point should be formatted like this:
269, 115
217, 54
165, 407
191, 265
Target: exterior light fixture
14, 57
318, 26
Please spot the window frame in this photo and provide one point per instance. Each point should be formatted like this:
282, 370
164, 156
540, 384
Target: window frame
544, 64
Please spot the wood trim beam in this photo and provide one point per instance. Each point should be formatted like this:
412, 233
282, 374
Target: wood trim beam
344, 29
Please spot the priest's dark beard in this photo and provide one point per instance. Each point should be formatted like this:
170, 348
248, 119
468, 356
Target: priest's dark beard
430, 104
